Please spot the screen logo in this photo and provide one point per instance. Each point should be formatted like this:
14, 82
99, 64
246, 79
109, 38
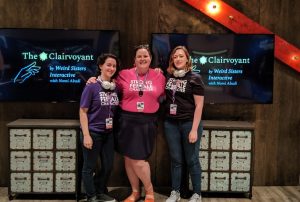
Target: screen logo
26, 72
56, 56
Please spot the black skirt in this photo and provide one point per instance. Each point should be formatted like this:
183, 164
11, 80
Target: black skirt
135, 134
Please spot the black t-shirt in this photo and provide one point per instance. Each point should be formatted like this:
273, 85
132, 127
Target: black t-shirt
187, 86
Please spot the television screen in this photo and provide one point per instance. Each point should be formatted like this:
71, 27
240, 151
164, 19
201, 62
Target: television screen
235, 68
50, 65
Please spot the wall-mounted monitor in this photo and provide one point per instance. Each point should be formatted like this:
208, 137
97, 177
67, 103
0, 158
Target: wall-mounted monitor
236, 68
50, 65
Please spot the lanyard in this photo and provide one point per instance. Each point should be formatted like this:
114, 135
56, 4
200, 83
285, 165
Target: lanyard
174, 87
141, 85
108, 96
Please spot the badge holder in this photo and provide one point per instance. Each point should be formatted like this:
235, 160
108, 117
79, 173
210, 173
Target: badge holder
109, 123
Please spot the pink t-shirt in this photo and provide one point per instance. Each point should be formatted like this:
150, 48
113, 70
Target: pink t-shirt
153, 86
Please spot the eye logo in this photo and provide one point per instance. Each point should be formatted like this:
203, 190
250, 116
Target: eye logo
43, 56
203, 60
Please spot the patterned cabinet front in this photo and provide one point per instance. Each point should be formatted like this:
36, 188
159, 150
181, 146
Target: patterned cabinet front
42, 182
241, 161
241, 140
204, 160
43, 156
42, 160
20, 139
219, 161
226, 157
65, 182
42, 139
205, 140
65, 161
204, 181
219, 181
220, 140
20, 182
20, 160
240, 182
66, 139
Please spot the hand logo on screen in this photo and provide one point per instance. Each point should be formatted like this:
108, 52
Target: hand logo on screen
27, 72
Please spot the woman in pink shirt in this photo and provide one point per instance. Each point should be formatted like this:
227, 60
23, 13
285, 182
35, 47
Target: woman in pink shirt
140, 89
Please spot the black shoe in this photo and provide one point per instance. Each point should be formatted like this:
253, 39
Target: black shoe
105, 198
92, 199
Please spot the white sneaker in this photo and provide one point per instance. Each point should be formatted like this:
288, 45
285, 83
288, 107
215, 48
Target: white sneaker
195, 198
174, 196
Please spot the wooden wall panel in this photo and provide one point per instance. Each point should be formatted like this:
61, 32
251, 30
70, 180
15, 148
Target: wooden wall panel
95, 14
176, 16
139, 19
27, 14
2, 16
277, 125
288, 155
277, 137
65, 14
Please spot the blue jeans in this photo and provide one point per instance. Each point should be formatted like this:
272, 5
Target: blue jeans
177, 134
103, 147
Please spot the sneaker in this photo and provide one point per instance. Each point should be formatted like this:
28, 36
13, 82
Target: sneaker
92, 199
105, 198
174, 196
195, 198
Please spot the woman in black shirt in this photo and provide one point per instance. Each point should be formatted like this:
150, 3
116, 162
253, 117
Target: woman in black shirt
183, 128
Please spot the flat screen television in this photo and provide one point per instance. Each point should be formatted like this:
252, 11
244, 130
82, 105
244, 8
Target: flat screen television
50, 65
235, 68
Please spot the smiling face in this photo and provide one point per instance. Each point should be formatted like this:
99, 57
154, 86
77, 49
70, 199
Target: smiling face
142, 60
180, 59
108, 69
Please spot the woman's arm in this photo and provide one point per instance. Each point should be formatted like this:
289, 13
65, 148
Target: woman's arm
87, 140
199, 101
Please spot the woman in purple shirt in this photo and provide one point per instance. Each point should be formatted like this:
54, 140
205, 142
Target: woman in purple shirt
97, 106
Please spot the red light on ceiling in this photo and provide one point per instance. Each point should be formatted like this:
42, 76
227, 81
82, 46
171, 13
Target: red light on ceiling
213, 7
239, 23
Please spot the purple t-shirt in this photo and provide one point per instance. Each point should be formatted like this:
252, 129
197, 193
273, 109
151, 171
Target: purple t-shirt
101, 104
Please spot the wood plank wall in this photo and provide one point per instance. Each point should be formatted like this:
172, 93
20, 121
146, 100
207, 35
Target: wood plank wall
277, 128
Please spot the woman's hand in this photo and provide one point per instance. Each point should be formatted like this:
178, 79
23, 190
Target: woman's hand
87, 141
157, 69
91, 80
193, 136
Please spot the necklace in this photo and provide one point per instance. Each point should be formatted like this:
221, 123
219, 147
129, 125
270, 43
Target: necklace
141, 84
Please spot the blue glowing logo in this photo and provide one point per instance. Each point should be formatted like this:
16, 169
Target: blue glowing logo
26, 72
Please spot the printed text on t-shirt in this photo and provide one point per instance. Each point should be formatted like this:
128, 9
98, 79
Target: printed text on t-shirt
105, 97
135, 85
179, 84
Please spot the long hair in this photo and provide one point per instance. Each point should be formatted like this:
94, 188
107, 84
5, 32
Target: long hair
171, 68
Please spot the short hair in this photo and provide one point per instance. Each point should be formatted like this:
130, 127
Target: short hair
101, 60
143, 46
